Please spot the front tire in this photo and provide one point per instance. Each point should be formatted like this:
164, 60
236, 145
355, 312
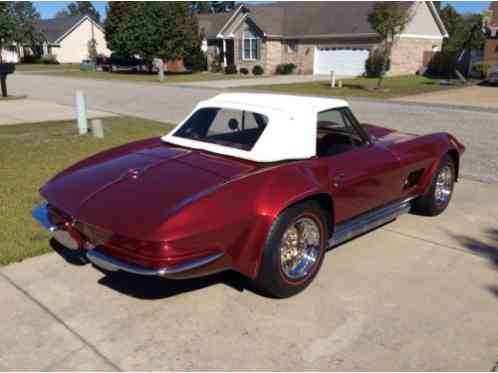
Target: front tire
294, 250
438, 197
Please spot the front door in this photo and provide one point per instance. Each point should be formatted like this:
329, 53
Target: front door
362, 175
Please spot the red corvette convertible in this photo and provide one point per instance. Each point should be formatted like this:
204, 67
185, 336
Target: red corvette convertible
257, 183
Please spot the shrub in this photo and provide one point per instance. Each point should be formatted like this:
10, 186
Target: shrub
244, 71
285, 68
231, 69
258, 70
49, 59
373, 65
195, 60
30, 58
216, 66
483, 68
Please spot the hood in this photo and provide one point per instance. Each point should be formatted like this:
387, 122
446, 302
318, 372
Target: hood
133, 189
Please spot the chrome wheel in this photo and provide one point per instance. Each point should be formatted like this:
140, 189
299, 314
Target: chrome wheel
444, 186
300, 248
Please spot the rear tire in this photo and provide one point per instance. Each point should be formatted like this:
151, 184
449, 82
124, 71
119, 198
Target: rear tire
294, 250
438, 197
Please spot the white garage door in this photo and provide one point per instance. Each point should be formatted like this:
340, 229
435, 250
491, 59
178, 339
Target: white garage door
344, 61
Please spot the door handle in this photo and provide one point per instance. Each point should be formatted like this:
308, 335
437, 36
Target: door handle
338, 178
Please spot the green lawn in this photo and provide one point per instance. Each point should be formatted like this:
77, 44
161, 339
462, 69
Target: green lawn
46, 67
395, 87
143, 77
32, 153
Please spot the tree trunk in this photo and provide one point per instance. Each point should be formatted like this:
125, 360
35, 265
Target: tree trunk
386, 58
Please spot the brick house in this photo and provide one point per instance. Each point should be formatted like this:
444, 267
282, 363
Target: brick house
491, 25
316, 36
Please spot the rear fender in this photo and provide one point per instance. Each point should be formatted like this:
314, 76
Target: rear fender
237, 217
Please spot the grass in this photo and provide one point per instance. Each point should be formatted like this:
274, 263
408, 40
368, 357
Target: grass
144, 77
361, 87
30, 154
46, 67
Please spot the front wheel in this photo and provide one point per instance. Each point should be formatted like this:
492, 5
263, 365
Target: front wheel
438, 197
294, 250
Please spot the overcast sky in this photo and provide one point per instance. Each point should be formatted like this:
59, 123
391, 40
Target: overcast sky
48, 9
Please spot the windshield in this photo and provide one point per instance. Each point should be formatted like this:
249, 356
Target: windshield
227, 127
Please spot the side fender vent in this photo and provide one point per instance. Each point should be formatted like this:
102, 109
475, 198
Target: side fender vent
413, 179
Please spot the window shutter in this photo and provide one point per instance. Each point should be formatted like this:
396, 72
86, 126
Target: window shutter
258, 48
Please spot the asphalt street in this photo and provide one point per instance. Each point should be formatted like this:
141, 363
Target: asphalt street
478, 130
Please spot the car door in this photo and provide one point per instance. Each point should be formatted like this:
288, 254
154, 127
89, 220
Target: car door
364, 177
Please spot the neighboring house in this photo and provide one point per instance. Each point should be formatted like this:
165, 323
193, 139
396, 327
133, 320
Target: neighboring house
67, 38
9, 54
316, 36
491, 24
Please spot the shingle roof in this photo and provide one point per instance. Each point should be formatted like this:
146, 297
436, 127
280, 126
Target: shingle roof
302, 18
316, 17
211, 24
54, 28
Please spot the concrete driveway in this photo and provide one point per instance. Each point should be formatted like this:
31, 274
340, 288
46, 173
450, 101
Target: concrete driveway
478, 96
478, 130
417, 294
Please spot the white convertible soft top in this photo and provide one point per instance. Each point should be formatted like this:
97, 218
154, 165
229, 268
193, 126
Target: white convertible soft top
290, 133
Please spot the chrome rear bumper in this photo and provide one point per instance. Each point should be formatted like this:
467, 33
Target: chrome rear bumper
59, 232
40, 214
112, 264
107, 262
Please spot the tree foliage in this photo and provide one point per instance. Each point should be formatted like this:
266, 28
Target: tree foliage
464, 30
79, 8
6, 23
17, 23
212, 6
388, 19
167, 30
25, 17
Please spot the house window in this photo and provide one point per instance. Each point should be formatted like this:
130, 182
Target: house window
291, 46
250, 46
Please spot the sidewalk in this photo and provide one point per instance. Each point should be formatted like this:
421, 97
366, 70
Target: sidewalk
34, 111
475, 96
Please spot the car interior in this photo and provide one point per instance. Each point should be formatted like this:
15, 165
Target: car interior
231, 128
336, 134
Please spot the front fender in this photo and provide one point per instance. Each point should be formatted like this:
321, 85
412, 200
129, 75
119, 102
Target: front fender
443, 143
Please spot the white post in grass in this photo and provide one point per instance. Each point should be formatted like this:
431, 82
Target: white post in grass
97, 128
81, 113
332, 79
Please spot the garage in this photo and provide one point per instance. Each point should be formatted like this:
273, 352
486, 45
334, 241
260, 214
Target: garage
346, 61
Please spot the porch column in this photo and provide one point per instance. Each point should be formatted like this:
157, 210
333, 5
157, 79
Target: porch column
224, 53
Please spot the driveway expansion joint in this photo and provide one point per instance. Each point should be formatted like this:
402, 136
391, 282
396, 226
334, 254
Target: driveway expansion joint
61, 322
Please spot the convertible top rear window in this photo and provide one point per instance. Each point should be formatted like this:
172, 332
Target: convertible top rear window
227, 127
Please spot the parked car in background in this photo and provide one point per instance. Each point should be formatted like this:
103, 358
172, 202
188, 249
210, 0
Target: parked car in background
88, 65
116, 63
257, 183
